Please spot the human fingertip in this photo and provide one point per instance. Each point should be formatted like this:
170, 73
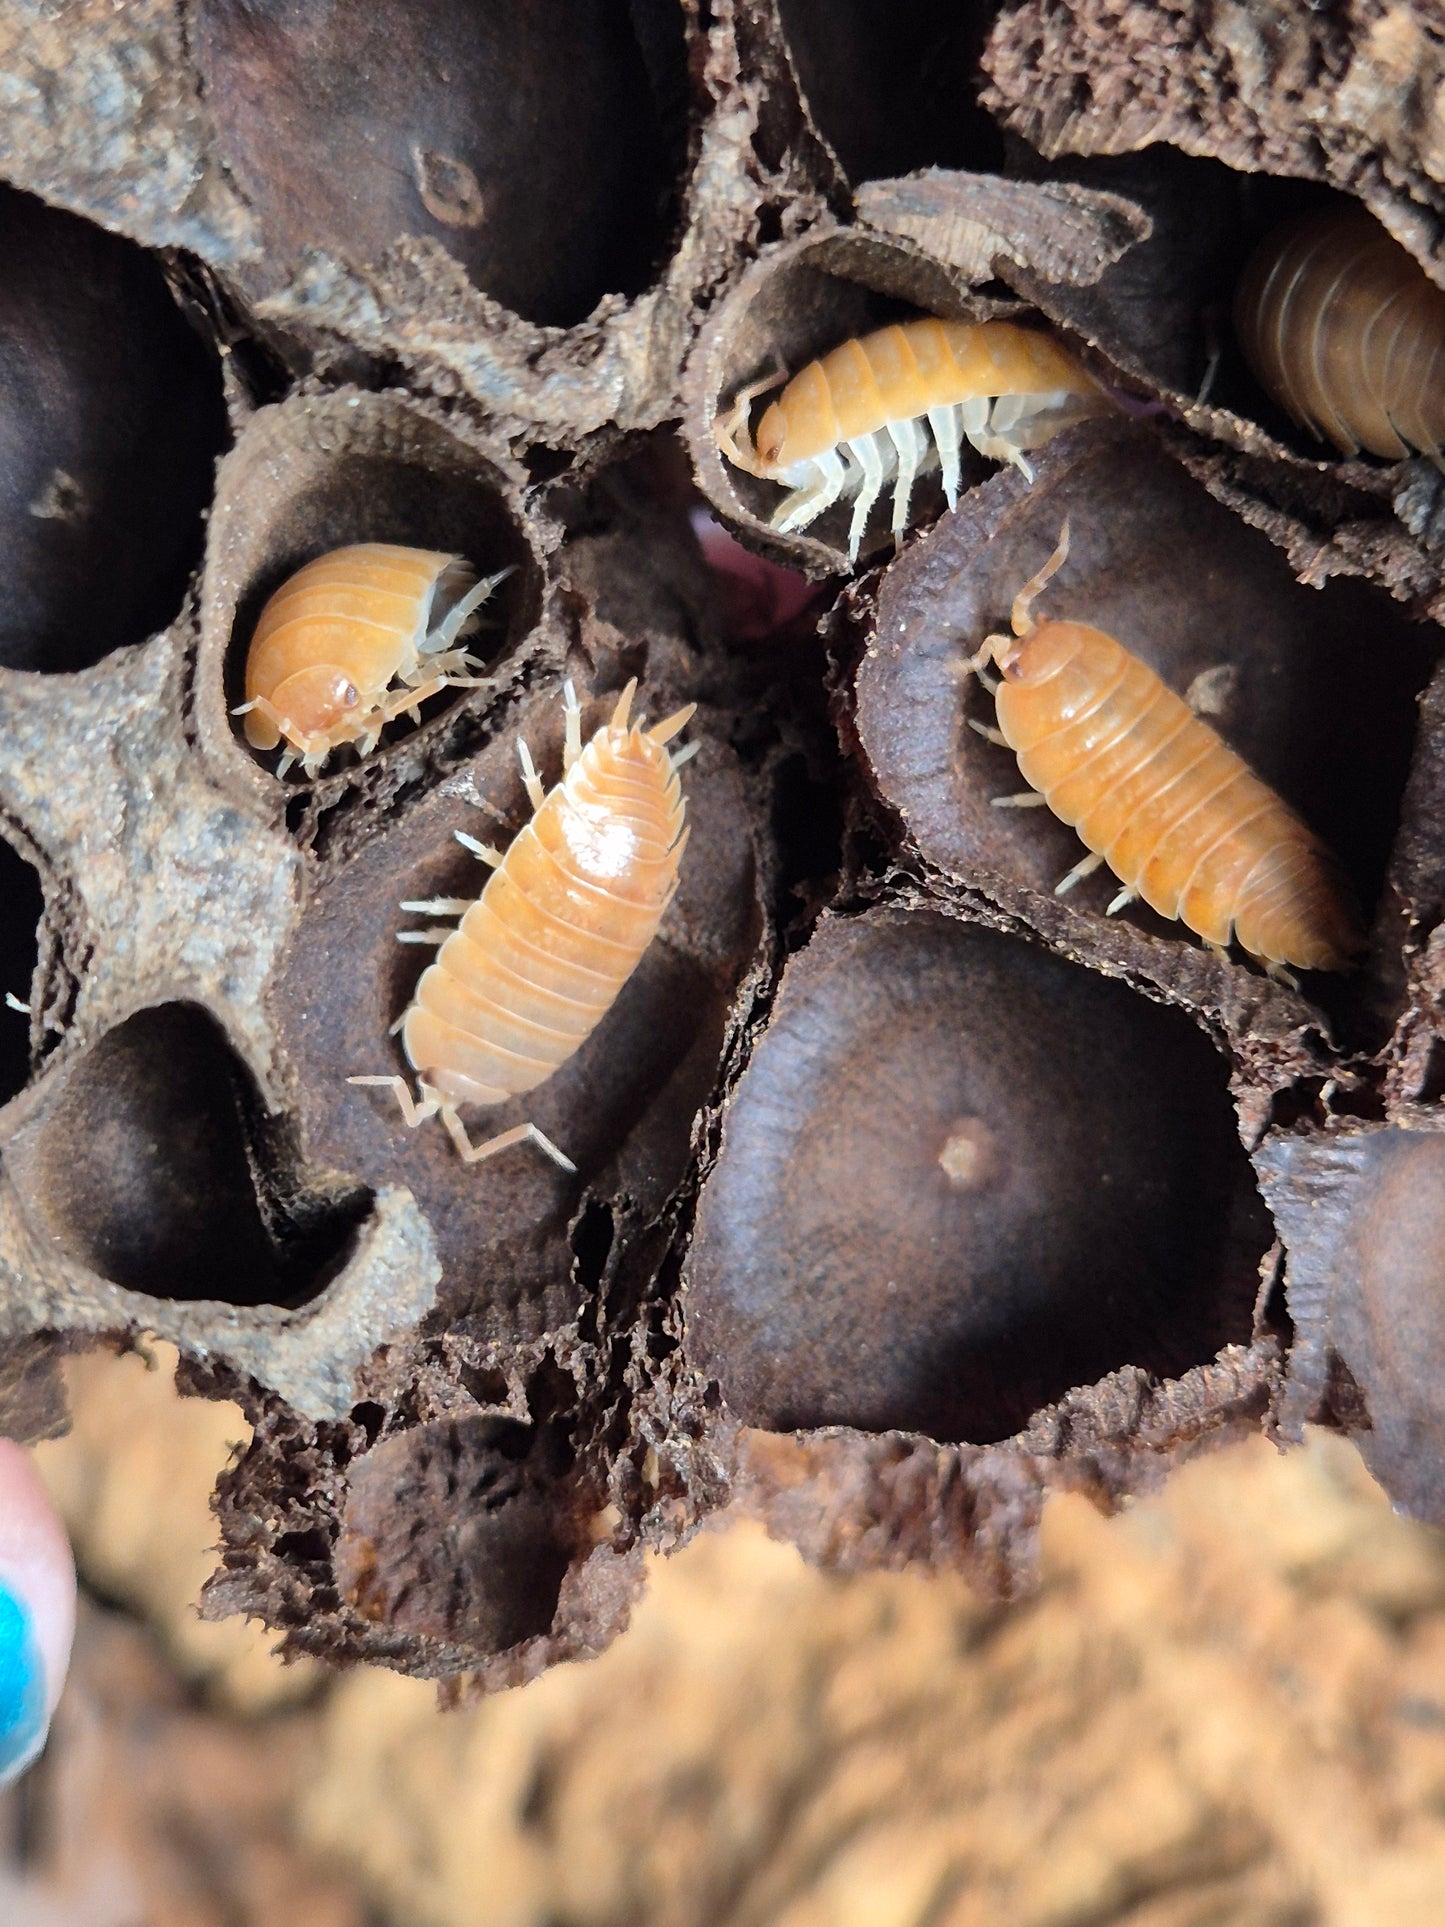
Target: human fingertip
37, 1610
24, 1698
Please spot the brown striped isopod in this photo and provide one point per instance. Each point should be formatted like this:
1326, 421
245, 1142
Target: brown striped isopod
1155, 793
539, 958
1346, 331
337, 637
862, 415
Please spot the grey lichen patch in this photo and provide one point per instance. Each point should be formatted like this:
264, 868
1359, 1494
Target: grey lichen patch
180, 894
99, 113
311, 1356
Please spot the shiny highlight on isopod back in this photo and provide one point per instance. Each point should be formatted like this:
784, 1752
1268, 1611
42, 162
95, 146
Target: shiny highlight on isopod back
539, 958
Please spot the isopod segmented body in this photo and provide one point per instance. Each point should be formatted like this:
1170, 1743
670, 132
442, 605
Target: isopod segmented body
1347, 332
863, 414
539, 958
335, 639
1155, 793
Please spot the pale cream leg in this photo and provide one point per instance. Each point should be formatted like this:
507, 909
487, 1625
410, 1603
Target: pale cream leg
519, 1134
947, 426
414, 1111
1085, 867
533, 782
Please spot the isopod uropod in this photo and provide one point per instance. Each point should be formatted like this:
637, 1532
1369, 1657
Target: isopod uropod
539, 958
1346, 331
335, 639
862, 414
1153, 791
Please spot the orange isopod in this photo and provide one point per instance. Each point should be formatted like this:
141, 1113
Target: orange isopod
539, 958
855, 419
335, 638
1346, 331
1154, 792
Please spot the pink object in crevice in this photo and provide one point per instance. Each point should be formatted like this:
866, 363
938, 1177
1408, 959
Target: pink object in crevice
763, 599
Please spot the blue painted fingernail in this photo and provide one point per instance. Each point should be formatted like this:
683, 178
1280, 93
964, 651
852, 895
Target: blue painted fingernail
22, 1687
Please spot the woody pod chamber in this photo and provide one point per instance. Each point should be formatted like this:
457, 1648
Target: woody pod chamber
907, 1191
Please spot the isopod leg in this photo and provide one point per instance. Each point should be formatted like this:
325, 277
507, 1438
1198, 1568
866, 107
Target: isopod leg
991, 650
999, 446
973, 419
405, 701
484, 852
673, 725
572, 712
446, 668
989, 733
414, 1110
909, 440
677, 849
947, 426
1211, 367
1024, 800
1085, 867
519, 1134
438, 906
806, 504
460, 616
869, 457
1122, 901
531, 780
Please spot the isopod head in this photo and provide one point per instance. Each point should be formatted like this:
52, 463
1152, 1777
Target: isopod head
772, 436
318, 700
1040, 654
